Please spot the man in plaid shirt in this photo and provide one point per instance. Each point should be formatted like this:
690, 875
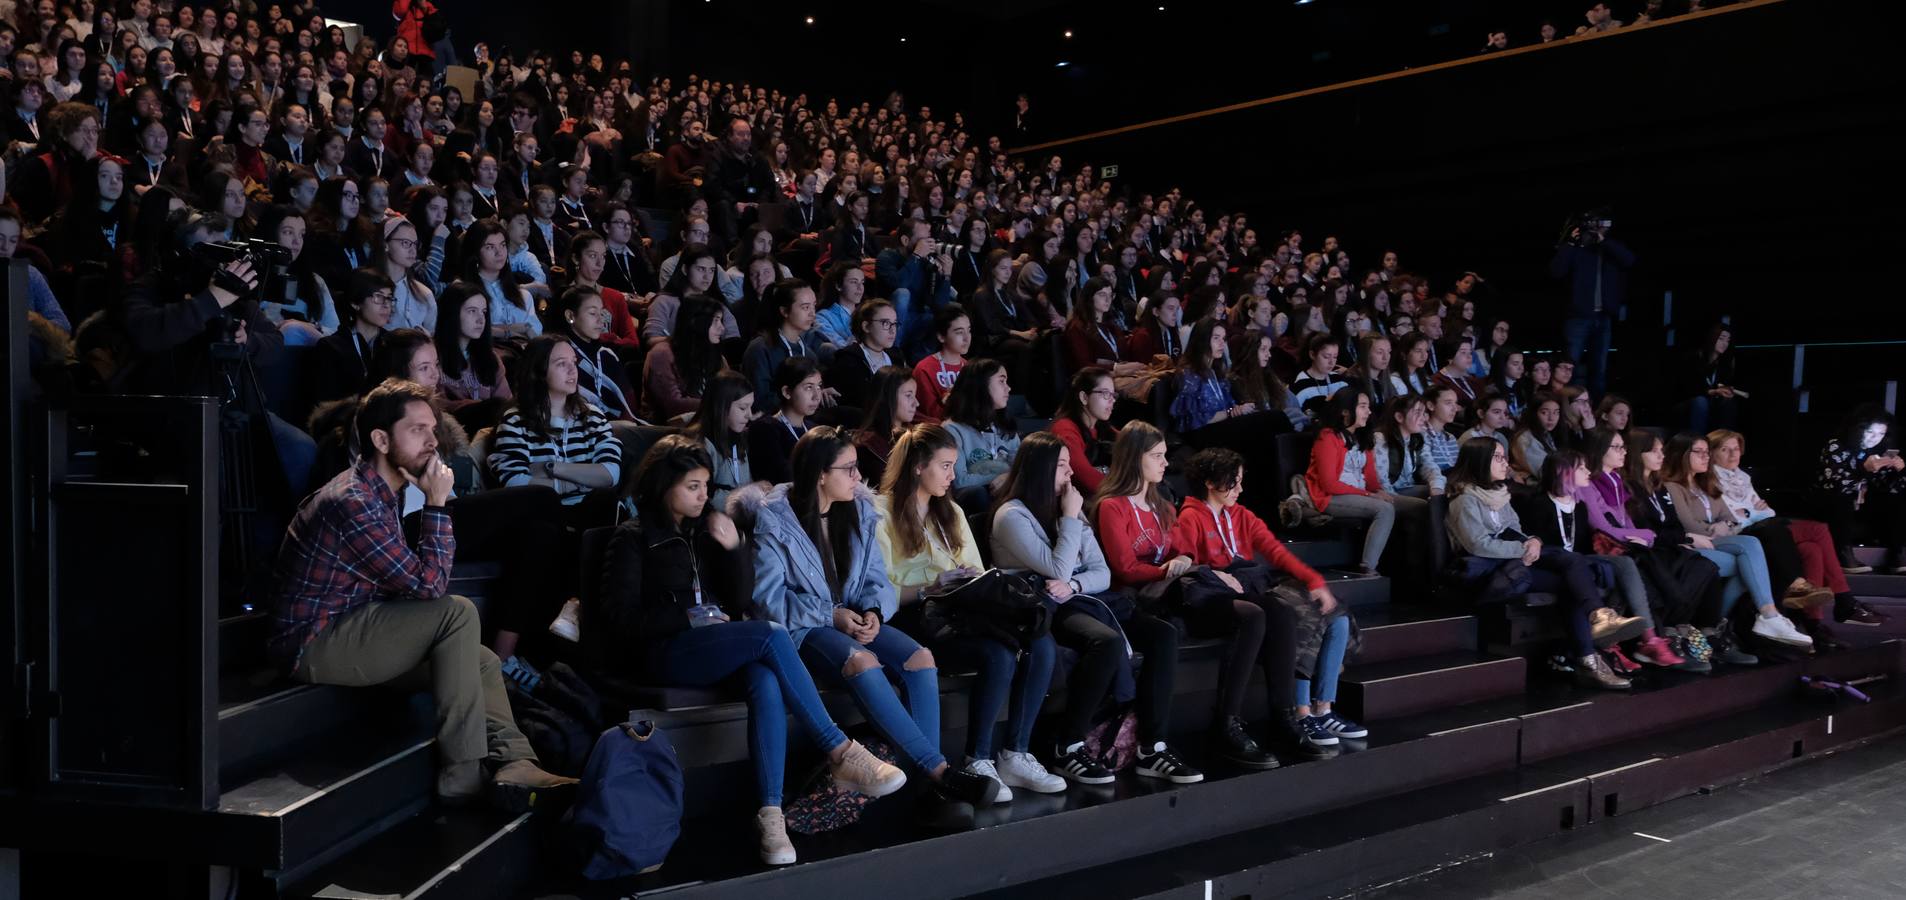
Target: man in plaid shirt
356, 605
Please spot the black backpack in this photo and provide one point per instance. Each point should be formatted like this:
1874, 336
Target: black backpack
996, 605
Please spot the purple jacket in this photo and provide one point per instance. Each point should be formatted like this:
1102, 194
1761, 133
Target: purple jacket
1607, 499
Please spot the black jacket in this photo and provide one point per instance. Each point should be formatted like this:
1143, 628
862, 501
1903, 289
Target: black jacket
172, 329
339, 366
648, 584
849, 373
1538, 514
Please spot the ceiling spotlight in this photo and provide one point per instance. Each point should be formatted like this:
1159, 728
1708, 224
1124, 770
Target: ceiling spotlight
1161, 9
1061, 64
903, 40
810, 20
1068, 34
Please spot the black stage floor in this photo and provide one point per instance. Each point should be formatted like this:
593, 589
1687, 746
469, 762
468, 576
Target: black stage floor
1829, 829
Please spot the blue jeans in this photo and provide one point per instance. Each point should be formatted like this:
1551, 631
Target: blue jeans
1329, 664
1587, 339
1744, 564
763, 657
297, 453
915, 735
1000, 670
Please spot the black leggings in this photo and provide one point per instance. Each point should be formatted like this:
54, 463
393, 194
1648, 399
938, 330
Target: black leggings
1783, 557
1262, 634
1101, 650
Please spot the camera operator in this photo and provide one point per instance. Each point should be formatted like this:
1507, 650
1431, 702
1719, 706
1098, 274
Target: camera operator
917, 277
1596, 269
197, 330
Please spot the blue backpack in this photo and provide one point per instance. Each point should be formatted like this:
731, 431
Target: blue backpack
628, 809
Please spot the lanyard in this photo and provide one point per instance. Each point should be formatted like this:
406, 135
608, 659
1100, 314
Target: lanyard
1224, 533
790, 426
1707, 506
794, 349
1654, 500
1107, 337
1566, 523
1012, 309
622, 264
1144, 531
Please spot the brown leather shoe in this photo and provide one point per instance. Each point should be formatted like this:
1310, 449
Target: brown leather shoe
1804, 595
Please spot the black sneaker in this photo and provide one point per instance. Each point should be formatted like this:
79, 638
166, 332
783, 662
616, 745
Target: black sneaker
1075, 766
1164, 764
966, 787
1859, 614
1233, 744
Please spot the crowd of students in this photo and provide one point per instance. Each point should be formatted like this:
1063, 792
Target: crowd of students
843, 343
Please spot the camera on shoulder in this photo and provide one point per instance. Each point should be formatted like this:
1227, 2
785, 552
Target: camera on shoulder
269, 261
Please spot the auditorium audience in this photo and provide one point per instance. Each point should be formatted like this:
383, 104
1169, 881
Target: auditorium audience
509, 285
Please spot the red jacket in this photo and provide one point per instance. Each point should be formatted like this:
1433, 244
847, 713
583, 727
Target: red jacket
410, 24
1197, 533
1085, 476
1130, 539
1085, 345
1325, 475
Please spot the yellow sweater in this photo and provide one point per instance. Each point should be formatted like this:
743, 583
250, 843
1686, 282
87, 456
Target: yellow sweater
911, 573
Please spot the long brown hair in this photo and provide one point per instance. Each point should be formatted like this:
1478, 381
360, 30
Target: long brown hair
1126, 476
911, 453
1679, 469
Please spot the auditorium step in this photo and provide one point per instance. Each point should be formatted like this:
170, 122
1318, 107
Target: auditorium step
1877, 585
1397, 632
1346, 850
437, 854
1401, 687
263, 719
1356, 589
1319, 553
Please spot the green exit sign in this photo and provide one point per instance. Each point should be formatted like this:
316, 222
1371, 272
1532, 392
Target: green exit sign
1108, 172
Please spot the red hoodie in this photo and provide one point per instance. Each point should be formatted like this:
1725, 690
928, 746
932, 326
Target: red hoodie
1325, 475
1210, 542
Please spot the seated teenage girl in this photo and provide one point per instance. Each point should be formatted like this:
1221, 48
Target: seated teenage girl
673, 610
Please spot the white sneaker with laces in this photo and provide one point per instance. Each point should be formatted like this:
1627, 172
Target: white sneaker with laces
568, 624
1022, 770
1778, 628
985, 767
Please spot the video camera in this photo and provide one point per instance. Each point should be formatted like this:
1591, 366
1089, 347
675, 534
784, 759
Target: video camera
269, 261
1587, 229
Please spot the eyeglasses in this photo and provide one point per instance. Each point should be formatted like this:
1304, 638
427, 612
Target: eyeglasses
885, 324
380, 299
410, 243
851, 468
1103, 393
1698, 451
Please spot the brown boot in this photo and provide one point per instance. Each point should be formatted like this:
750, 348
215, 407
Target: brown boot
521, 785
1593, 671
1804, 595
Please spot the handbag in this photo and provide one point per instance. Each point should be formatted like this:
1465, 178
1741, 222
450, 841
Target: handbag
1603, 545
1000, 606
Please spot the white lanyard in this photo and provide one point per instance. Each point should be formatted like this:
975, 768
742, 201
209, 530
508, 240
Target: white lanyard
1707, 506
1566, 523
1107, 336
1224, 533
794, 349
1158, 551
790, 426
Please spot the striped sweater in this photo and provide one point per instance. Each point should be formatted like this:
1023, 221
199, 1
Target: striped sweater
516, 449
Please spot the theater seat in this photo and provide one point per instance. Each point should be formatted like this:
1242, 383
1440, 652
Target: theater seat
636, 441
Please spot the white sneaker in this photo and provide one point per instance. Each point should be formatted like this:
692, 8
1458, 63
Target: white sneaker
1022, 770
1778, 628
985, 767
567, 625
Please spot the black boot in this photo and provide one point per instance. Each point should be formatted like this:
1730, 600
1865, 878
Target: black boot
1850, 564
1233, 744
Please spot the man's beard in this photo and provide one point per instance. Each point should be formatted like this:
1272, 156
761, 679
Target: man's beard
417, 466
